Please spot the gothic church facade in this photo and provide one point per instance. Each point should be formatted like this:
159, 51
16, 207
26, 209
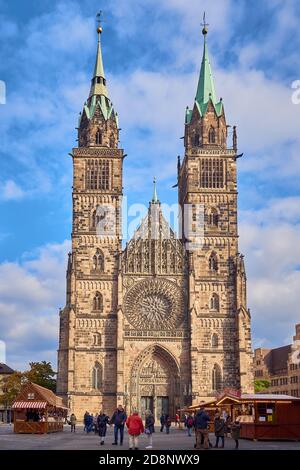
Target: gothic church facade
162, 323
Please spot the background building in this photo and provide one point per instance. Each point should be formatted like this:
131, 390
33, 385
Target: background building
279, 366
163, 322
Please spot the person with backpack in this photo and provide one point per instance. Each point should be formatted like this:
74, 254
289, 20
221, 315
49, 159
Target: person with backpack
135, 427
219, 430
168, 423
102, 422
149, 428
189, 424
118, 420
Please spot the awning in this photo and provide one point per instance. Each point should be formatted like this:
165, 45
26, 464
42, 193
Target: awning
29, 404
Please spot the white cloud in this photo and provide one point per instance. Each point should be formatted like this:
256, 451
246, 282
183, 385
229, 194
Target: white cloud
31, 291
11, 191
269, 238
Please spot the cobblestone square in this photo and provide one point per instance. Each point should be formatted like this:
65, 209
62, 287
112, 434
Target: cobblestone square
176, 440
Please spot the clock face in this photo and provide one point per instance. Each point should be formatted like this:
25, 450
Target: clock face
154, 304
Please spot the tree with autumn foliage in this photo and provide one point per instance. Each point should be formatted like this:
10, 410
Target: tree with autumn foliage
40, 373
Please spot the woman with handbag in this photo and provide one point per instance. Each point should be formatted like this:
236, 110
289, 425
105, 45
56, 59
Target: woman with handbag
149, 428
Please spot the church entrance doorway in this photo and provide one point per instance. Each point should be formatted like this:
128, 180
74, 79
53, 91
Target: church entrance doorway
155, 383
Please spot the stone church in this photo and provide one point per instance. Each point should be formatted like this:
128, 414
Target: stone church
163, 322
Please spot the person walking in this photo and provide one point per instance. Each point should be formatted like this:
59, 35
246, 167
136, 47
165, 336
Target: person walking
177, 419
189, 424
118, 420
149, 428
89, 426
135, 427
235, 432
73, 422
102, 422
85, 421
219, 430
162, 420
201, 421
168, 423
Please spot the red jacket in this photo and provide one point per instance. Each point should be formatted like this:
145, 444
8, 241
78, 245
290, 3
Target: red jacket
135, 425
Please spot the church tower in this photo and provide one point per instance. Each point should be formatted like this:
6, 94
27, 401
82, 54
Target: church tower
87, 357
220, 345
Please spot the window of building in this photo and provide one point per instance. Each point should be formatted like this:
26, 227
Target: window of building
211, 173
213, 262
215, 302
98, 137
98, 261
196, 140
216, 378
212, 135
97, 376
98, 302
97, 339
214, 341
97, 174
213, 217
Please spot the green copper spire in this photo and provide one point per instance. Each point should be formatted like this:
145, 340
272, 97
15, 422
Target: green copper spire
206, 87
99, 69
154, 198
98, 86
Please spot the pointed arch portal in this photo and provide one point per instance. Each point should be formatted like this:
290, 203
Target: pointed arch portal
155, 383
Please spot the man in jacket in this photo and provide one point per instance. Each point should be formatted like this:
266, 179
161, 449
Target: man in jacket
119, 420
201, 428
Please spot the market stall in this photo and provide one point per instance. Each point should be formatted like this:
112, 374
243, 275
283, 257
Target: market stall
38, 410
262, 416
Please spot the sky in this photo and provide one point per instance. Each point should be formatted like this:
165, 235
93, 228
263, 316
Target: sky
152, 53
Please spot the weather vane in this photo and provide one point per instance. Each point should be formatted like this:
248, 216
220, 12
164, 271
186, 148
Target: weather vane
204, 24
99, 21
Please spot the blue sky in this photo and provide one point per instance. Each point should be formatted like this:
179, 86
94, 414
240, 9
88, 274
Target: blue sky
152, 53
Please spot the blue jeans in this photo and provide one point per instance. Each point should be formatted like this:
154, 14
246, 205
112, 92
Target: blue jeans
116, 431
189, 431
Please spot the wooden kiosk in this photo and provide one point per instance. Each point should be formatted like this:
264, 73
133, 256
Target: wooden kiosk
38, 410
262, 416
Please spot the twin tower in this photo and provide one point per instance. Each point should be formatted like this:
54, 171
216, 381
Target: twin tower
164, 322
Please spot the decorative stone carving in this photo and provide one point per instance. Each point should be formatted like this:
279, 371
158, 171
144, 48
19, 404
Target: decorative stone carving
154, 304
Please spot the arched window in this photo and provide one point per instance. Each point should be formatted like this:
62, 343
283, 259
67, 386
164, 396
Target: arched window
95, 220
214, 341
196, 140
213, 217
97, 339
211, 135
97, 376
98, 137
216, 378
98, 302
98, 261
213, 262
214, 302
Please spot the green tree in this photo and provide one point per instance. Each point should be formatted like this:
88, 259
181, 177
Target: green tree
41, 373
261, 385
11, 386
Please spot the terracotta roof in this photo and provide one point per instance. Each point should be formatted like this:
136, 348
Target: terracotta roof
4, 369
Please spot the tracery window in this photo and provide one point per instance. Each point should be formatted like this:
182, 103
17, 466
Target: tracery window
97, 174
212, 173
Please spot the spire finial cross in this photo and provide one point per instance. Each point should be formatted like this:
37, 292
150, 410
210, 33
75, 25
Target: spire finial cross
204, 24
99, 22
